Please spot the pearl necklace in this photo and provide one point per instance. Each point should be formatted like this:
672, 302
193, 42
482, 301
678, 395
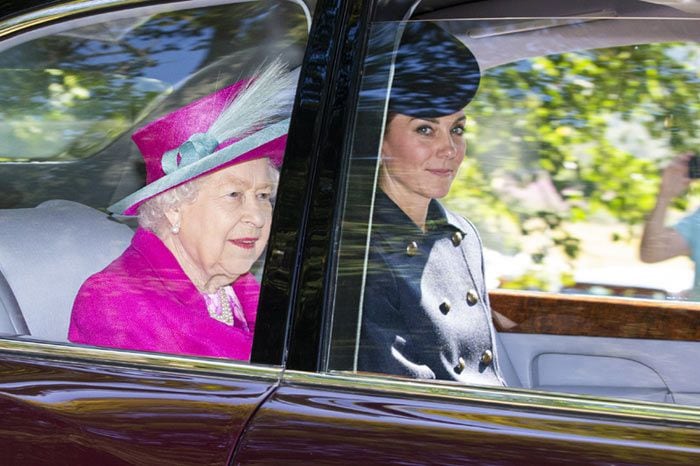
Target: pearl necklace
225, 315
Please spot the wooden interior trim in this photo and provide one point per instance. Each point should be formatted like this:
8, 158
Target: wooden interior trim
594, 316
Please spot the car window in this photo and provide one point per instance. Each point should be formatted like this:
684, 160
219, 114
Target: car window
69, 94
74, 94
566, 140
569, 147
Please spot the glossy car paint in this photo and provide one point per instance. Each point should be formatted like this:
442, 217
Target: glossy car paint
140, 409
342, 420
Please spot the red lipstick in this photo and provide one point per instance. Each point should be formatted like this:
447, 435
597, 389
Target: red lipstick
245, 243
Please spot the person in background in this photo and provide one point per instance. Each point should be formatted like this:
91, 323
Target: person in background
661, 242
426, 311
184, 285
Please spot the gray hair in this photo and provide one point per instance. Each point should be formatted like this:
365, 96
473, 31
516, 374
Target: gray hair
151, 214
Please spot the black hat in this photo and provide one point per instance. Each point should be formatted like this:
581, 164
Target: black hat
435, 74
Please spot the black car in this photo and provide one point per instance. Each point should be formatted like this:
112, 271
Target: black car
580, 105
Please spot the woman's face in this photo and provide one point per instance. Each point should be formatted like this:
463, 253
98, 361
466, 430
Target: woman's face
224, 231
420, 157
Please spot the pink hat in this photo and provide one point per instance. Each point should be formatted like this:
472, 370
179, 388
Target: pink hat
238, 123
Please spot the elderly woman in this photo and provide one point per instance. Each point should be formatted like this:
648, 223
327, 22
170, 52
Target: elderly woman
184, 285
426, 312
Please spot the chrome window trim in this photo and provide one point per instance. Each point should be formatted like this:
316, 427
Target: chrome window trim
55, 13
501, 397
149, 361
562, 10
81, 8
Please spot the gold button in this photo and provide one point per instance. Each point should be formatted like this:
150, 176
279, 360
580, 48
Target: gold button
412, 248
461, 364
456, 238
472, 297
445, 306
486, 357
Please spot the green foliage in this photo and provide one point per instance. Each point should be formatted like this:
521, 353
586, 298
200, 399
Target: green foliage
597, 124
67, 96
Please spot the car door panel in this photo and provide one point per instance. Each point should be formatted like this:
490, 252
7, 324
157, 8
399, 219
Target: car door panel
655, 370
129, 62
103, 412
638, 349
380, 422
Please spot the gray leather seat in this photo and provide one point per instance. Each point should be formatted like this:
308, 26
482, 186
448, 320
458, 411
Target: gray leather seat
11, 320
46, 253
508, 372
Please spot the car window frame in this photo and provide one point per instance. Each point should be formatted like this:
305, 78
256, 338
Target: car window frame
45, 21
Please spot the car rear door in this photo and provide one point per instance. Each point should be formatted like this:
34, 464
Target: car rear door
72, 406
77, 79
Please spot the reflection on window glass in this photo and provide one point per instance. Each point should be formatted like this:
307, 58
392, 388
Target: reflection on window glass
143, 117
68, 95
564, 163
77, 94
566, 141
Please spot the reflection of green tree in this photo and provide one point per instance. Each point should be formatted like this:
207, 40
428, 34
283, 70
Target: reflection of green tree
101, 72
554, 114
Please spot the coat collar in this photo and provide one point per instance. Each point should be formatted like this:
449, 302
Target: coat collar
394, 232
389, 218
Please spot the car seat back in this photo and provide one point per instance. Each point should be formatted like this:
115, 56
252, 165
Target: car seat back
46, 253
11, 320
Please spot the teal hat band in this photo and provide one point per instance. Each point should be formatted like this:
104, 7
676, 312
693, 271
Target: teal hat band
198, 146
208, 163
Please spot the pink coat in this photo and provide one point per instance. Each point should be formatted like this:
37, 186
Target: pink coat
144, 301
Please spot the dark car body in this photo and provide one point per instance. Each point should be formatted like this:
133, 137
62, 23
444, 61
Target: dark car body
300, 402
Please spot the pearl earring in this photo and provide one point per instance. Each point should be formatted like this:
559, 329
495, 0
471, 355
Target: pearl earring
175, 228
